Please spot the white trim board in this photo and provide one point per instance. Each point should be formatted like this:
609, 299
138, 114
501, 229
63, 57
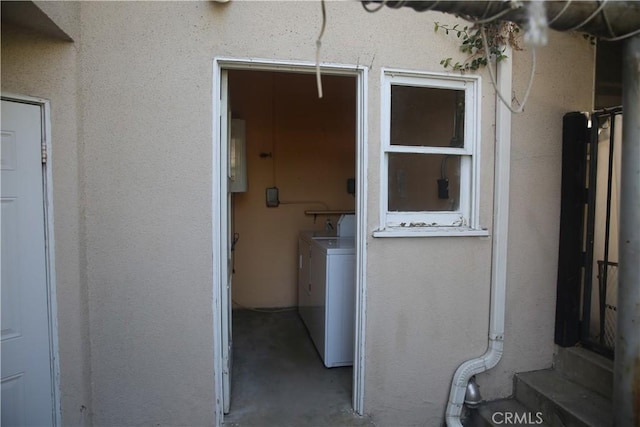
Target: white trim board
219, 208
47, 188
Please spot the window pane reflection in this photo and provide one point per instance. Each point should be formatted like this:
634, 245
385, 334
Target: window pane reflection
423, 116
424, 182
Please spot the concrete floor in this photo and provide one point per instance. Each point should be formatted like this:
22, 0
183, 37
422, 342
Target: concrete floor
278, 378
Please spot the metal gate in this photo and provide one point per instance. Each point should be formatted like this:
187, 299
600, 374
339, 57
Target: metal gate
588, 257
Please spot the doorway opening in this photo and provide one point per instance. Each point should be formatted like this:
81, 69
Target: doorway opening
288, 200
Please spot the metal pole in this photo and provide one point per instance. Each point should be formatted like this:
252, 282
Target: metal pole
604, 272
626, 381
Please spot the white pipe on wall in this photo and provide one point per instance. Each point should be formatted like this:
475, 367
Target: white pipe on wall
499, 250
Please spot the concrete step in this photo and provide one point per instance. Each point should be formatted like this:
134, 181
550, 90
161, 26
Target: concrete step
507, 412
562, 402
586, 368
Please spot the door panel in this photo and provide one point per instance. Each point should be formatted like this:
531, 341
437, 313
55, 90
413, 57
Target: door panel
226, 239
27, 393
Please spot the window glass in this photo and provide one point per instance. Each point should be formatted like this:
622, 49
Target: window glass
424, 116
423, 182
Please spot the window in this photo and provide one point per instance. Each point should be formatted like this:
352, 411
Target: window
430, 138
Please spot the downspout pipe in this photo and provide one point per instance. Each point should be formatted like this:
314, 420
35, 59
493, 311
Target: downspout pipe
499, 250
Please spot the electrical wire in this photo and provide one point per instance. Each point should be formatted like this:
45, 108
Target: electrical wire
273, 156
318, 46
605, 18
398, 4
485, 20
489, 19
495, 84
562, 11
497, 16
364, 5
435, 3
443, 166
586, 21
622, 37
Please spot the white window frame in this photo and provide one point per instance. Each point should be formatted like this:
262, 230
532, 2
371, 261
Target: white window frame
465, 220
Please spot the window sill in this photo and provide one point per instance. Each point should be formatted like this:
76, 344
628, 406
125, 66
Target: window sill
431, 232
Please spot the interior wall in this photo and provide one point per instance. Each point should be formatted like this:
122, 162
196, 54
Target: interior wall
42, 67
304, 146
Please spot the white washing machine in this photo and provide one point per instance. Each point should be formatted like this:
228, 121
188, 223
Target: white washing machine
326, 294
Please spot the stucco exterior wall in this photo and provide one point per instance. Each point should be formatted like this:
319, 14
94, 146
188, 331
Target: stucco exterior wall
563, 82
37, 66
65, 14
141, 166
146, 84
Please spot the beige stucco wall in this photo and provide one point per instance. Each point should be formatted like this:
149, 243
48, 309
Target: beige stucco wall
36, 66
144, 166
146, 81
563, 82
145, 86
65, 14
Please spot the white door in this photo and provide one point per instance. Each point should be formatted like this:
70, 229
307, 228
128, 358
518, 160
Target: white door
226, 242
27, 386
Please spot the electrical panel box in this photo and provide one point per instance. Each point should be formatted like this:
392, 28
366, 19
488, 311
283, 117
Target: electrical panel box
272, 197
237, 156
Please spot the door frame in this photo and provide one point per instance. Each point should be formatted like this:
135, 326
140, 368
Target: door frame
49, 242
219, 209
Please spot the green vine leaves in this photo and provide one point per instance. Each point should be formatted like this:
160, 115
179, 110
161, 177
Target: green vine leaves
498, 34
